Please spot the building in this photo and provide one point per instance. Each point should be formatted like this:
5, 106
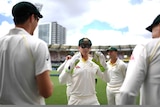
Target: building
52, 33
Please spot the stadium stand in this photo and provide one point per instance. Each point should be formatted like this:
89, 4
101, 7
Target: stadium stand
59, 51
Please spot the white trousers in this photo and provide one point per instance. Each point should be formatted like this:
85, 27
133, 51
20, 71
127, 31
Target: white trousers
83, 100
112, 97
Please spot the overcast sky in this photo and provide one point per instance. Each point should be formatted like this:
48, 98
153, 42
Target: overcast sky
105, 22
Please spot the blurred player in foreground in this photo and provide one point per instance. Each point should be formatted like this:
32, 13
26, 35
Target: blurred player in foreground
24, 61
81, 72
143, 71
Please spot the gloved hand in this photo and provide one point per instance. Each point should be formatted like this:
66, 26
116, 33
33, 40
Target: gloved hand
100, 60
72, 62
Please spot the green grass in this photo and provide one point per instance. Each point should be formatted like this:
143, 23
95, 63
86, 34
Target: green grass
101, 91
59, 94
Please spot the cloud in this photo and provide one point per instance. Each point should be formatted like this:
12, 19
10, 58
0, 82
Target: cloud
75, 15
108, 37
5, 26
5, 8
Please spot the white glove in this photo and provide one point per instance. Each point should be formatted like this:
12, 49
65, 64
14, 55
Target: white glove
72, 62
100, 60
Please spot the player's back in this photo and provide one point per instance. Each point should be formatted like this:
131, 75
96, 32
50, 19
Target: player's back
17, 73
150, 89
143, 72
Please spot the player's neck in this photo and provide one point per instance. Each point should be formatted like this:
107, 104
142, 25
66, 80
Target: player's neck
113, 60
85, 58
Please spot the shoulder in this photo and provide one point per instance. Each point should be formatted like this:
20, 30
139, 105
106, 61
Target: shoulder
152, 43
147, 45
138, 48
93, 63
35, 41
121, 62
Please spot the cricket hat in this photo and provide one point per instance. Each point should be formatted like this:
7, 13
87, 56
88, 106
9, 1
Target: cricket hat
85, 41
154, 23
112, 49
25, 8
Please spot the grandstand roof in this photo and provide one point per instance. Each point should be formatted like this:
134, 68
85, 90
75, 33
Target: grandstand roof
62, 47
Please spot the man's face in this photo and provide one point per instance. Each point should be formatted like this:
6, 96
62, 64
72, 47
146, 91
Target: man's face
156, 31
84, 49
112, 54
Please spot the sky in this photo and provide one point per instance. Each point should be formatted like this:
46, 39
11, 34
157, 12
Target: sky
104, 22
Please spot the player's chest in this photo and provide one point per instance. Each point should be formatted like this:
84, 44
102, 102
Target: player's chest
84, 68
113, 68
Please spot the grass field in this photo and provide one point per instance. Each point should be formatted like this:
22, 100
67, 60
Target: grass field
59, 94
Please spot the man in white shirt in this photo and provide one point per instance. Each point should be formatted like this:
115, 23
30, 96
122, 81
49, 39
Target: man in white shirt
143, 73
81, 72
24, 61
117, 71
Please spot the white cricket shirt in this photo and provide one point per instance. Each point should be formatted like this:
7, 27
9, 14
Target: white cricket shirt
22, 58
83, 78
143, 74
117, 72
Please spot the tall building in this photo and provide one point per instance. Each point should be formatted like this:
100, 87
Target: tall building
52, 33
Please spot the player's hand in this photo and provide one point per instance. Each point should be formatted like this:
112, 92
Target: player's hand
72, 62
68, 57
100, 60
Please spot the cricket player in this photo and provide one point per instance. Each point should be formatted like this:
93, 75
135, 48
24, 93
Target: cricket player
143, 73
117, 71
60, 69
25, 62
81, 71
